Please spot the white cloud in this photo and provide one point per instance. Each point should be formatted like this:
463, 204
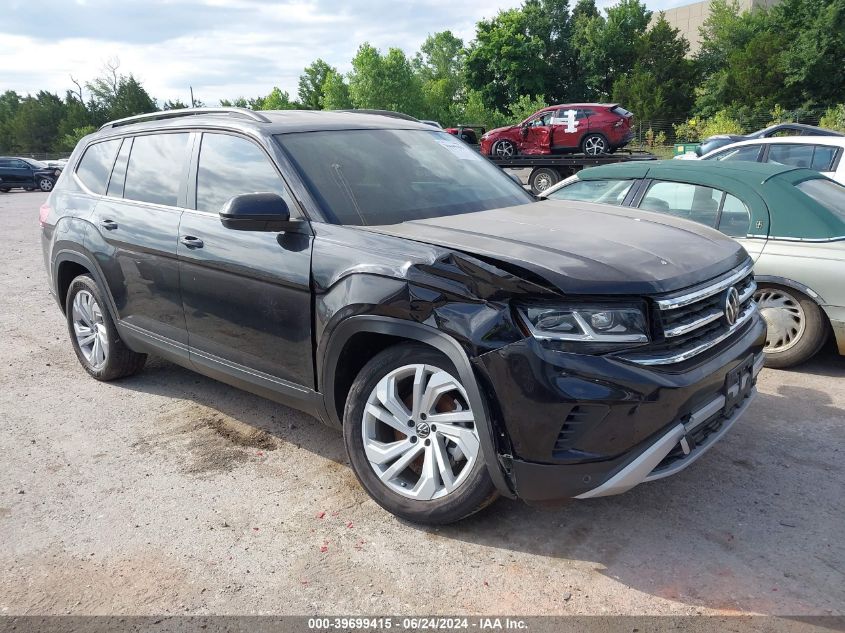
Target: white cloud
223, 48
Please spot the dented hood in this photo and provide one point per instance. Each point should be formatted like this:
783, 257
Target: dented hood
585, 248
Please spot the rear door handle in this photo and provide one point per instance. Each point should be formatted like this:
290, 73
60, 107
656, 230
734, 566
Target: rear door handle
108, 225
191, 242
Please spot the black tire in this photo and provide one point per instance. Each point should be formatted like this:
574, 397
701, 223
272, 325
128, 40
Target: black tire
46, 184
807, 342
5, 190
120, 361
594, 144
542, 178
503, 149
477, 490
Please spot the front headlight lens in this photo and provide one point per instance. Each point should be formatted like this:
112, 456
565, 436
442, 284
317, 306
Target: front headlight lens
586, 324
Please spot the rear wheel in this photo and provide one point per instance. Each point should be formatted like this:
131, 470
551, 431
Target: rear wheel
542, 178
594, 144
796, 329
5, 190
412, 437
94, 337
503, 149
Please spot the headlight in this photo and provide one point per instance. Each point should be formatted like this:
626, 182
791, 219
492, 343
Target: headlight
57, 172
586, 328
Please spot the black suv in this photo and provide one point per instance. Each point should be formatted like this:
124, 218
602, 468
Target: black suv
26, 173
384, 277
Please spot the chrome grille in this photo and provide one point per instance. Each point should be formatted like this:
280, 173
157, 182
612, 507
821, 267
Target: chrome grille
695, 321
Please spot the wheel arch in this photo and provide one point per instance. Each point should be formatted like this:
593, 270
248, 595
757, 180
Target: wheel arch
790, 283
69, 264
376, 333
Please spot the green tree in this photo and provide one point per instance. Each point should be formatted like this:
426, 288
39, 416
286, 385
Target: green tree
69, 140
505, 60
276, 100
173, 104
335, 92
608, 46
439, 66
385, 82
10, 102
661, 84
813, 56
35, 125
311, 84
525, 106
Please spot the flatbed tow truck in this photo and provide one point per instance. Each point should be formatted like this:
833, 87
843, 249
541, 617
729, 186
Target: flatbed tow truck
549, 169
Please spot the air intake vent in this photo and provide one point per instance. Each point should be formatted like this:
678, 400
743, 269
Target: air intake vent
581, 417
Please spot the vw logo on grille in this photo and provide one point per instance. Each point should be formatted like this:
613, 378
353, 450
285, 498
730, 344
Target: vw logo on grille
423, 430
731, 306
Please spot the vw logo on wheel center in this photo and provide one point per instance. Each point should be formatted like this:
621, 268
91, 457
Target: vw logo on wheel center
423, 430
731, 306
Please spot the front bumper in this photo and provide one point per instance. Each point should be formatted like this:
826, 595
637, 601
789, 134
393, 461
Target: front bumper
584, 426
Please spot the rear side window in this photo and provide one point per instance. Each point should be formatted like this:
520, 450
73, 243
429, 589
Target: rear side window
230, 166
791, 154
823, 157
827, 193
155, 170
95, 167
734, 219
684, 200
607, 191
749, 153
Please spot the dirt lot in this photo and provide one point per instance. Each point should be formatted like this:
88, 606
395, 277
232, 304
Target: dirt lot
171, 493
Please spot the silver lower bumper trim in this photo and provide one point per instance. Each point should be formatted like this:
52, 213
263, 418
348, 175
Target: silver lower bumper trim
643, 467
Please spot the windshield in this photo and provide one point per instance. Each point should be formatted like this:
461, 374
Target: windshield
379, 177
827, 193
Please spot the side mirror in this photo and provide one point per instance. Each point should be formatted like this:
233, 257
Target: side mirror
256, 212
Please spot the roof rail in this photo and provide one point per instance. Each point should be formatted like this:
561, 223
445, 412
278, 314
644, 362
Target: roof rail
173, 114
390, 113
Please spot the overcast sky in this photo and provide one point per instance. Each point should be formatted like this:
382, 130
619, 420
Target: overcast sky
223, 48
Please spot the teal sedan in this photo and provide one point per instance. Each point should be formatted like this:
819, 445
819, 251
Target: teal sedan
790, 220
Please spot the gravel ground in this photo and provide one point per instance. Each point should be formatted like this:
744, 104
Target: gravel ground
171, 493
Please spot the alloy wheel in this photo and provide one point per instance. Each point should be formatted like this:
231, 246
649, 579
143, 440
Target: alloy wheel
594, 145
45, 184
419, 432
90, 329
505, 149
784, 318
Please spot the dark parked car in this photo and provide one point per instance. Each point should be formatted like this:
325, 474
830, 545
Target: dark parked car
780, 129
591, 128
26, 173
384, 277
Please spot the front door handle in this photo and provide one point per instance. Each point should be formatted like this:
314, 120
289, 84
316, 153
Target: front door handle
108, 225
191, 242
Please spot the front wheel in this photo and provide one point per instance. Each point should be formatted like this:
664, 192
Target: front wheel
45, 184
796, 329
594, 144
412, 437
503, 149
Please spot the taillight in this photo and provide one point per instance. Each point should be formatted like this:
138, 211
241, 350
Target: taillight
43, 212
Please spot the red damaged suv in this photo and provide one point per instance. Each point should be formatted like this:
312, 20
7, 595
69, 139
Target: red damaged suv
591, 128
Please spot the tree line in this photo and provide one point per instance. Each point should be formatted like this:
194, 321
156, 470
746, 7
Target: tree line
782, 63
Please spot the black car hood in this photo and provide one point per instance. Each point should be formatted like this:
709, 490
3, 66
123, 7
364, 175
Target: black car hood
585, 248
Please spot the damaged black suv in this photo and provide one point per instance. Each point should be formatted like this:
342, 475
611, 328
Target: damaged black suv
389, 280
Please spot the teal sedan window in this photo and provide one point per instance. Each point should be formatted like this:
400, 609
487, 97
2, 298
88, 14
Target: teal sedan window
684, 200
606, 191
827, 193
734, 219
